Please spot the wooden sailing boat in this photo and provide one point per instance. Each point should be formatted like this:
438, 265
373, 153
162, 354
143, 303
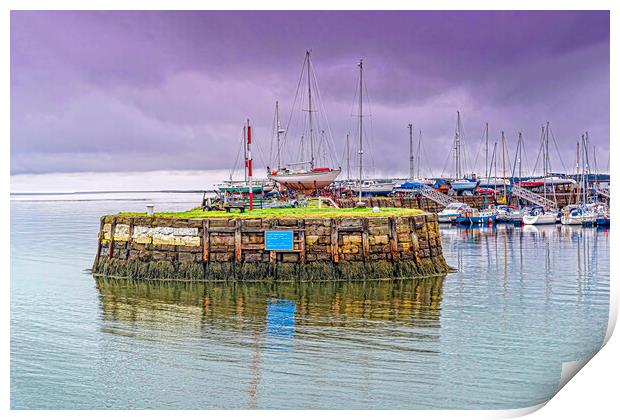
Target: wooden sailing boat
307, 174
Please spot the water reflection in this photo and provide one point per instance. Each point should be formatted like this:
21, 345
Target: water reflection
287, 328
280, 306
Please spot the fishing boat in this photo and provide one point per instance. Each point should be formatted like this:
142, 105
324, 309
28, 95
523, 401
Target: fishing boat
307, 175
471, 216
451, 212
536, 215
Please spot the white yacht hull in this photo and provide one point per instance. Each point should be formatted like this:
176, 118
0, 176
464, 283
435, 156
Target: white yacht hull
539, 219
578, 220
306, 181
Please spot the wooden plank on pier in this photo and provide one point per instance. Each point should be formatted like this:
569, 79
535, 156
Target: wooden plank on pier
365, 241
111, 243
238, 240
101, 223
302, 241
205, 240
393, 238
334, 241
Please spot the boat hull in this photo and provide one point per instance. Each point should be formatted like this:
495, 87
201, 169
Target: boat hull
539, 219
306, 181
476, 220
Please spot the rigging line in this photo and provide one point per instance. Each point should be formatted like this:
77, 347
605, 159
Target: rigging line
540, 149
235, 165
273, 138
557, 149
258, 146
445, 165
370, 137
301, 75
329, 142
479, 147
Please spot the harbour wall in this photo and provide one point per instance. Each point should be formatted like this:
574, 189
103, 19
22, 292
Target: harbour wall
423, 203
222, 249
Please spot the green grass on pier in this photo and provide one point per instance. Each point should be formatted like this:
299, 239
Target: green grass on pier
311, 211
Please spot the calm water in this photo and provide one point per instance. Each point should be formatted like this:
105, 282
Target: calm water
493, 335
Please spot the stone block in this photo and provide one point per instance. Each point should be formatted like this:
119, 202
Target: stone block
251, 222
184, 231
290, 257
186, 257
351, 239
221, 256
186, 240
378, 240
350, 249
312, 239
162, 239
142, 239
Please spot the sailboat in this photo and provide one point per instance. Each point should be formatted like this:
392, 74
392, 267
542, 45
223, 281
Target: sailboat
306, 175
581, 214
460, 184
537, 215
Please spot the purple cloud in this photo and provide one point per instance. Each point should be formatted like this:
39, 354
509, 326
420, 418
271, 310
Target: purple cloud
100, 91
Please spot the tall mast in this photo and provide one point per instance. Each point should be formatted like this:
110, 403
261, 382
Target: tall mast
486, 152
348, 160
279, 131
361, 150
310, 111
578, 172
457, 146
248, 163
504, 165
410, 151
245, 153
545, 139
419, 152
520, 152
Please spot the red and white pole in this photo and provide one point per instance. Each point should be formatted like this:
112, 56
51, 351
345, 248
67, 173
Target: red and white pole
249, 164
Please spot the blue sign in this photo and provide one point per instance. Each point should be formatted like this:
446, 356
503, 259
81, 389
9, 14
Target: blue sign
279, 240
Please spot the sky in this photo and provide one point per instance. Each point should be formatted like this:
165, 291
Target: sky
150, 91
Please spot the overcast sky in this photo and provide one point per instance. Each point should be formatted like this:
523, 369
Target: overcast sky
135, 91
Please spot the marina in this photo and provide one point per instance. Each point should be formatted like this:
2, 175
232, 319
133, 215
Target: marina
544, 290
313, 209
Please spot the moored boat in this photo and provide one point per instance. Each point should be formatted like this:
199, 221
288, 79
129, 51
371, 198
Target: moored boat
302, 180
309, 174
451, 212
536, 215
476, 217
578, 216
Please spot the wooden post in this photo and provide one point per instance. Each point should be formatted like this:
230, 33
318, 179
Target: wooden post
130, 230
238, 240
365, 242
393, 238
334, 229
101, 223
130, 237
205, 240
273, 256
302, 241
415, 243
111, 243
